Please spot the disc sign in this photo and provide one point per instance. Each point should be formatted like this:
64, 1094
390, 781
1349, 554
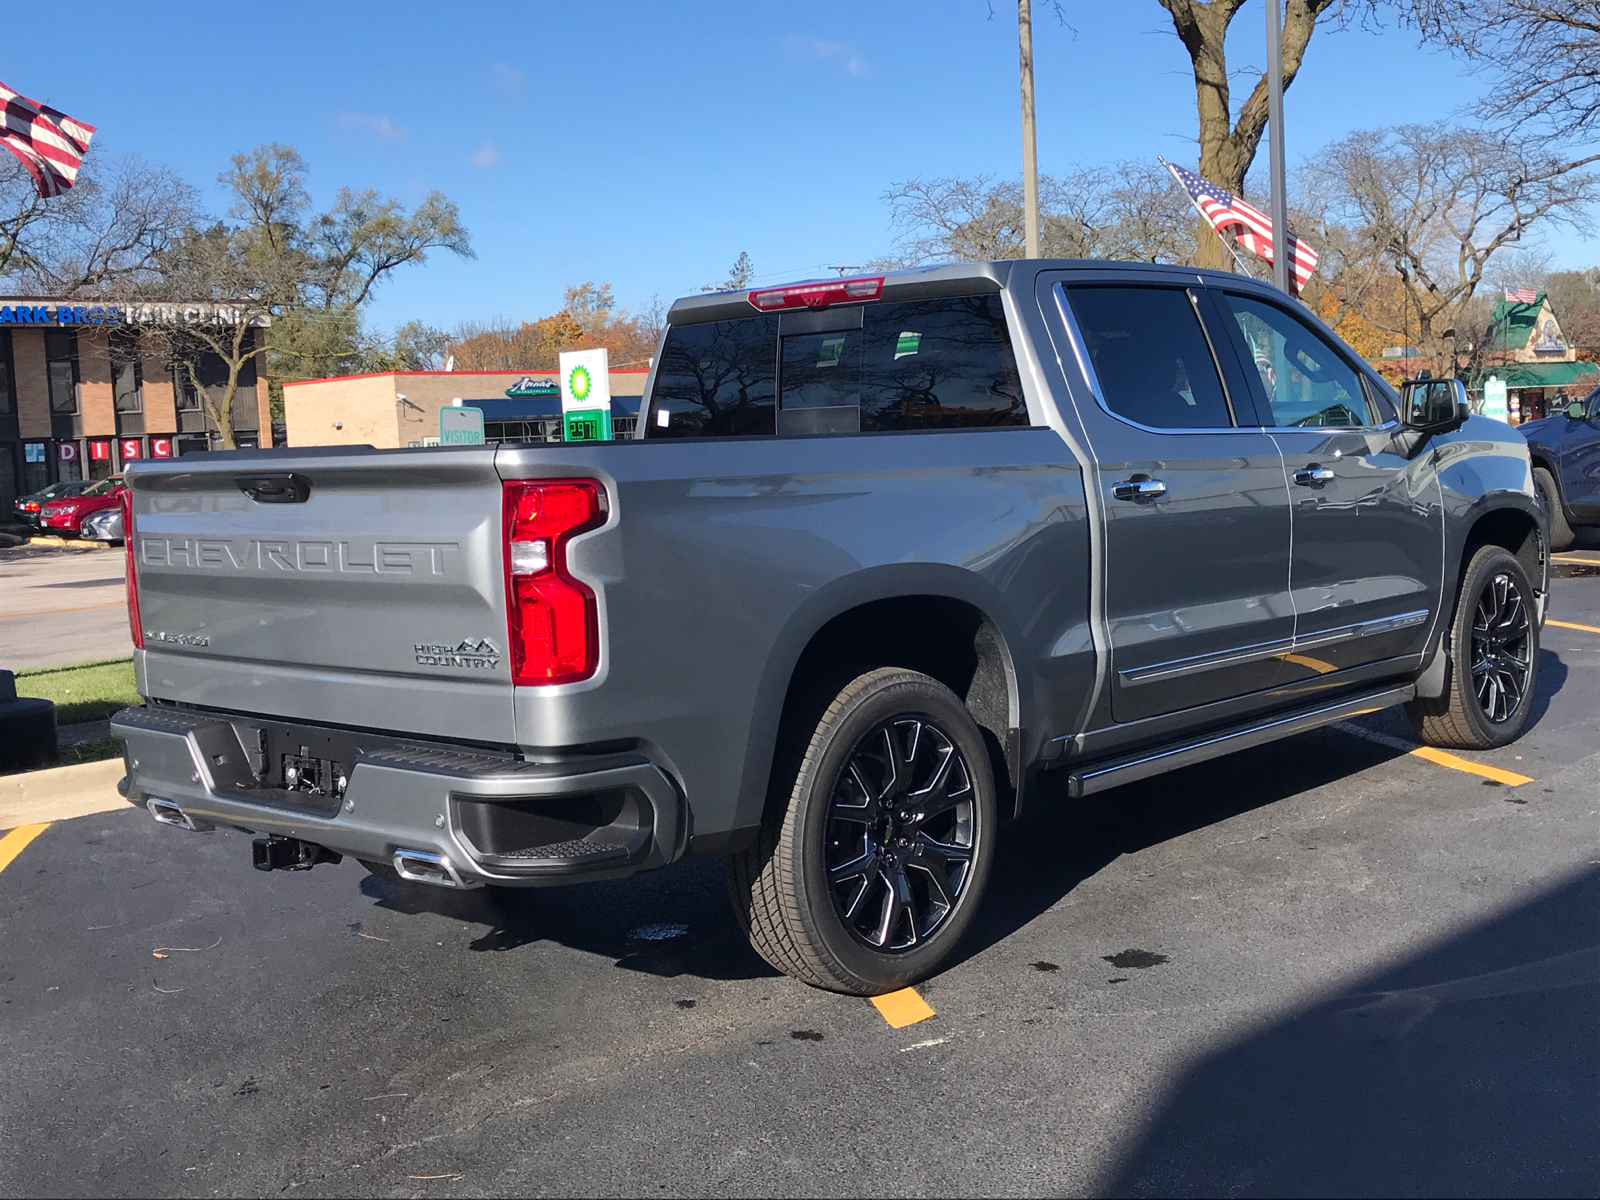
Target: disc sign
586, 396
460, 426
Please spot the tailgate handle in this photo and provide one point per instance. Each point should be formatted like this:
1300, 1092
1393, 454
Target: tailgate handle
286, 488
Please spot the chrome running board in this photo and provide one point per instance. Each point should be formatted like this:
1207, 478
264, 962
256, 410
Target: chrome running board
1088, 779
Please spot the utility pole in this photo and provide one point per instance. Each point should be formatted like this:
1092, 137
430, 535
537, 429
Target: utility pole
1280, 195
1030, 145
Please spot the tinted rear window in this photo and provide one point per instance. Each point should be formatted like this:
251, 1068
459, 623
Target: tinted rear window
922, 364
718, 379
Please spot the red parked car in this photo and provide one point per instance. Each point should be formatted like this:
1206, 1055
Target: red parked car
66, 515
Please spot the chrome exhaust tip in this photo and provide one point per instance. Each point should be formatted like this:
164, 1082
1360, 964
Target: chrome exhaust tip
419, 866
169, 813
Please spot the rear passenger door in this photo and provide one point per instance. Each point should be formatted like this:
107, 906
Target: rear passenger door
1368, 523
1196, 576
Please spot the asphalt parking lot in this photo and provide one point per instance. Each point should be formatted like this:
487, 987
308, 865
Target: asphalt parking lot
60, 606
1325, 966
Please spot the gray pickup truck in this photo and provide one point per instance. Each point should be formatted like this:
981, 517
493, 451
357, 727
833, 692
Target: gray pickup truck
887, 560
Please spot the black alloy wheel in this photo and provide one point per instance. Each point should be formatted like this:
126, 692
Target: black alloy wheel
1491, 666
902, 833
879, 838
1501, 649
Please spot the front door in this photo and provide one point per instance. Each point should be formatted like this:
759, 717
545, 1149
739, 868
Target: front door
1580, 461
1196, 509
1368, 523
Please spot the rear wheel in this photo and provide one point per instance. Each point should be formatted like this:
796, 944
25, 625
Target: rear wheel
1561, 535
871, 872
1494, 659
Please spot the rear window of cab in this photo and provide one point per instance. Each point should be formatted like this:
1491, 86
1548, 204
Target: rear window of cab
883, 367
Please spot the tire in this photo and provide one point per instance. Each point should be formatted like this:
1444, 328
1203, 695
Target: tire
889, 734
1495, 633
1561, 535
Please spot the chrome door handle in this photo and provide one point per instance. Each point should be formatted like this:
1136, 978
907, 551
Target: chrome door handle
1139, 489
1313, 476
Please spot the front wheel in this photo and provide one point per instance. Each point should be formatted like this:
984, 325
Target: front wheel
868, 876
1493, 643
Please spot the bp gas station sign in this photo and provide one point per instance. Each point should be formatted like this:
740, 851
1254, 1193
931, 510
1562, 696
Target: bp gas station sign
585, 396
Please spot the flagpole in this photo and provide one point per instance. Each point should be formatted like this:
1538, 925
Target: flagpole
1280, 198
1195, 204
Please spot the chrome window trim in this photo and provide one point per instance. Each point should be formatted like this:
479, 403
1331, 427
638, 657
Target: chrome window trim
1080, 350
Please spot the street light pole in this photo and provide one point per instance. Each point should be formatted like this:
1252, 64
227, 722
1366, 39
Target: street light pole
1280, 197
1030, 146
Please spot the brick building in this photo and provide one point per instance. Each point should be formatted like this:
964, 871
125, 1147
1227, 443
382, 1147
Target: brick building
401, 408
86, 388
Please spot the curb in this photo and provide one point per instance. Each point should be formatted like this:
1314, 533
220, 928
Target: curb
60, 793
70, 543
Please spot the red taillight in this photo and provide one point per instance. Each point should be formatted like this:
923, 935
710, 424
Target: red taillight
553, 626
134, 624
818, 295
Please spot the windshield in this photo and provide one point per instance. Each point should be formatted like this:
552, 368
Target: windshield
103, 487
67, 487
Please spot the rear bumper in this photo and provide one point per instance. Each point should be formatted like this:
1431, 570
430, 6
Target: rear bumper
492, 821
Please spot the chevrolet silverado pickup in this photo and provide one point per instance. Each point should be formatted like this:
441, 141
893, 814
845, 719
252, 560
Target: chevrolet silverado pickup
887, 559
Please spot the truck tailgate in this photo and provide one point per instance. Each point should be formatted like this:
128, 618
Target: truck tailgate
337, 586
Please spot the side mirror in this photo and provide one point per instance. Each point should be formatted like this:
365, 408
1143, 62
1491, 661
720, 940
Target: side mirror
1433, 405
1575, 411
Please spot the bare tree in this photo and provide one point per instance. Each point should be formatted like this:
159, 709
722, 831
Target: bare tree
1227, 141
1546, 54
108, 232
1432, 207
1132, 211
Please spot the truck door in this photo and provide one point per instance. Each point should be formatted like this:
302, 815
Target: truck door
1196, 507
1367, 567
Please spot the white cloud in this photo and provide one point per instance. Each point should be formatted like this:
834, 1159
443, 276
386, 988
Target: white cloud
386, 129
843, 54
488, 155
508, 81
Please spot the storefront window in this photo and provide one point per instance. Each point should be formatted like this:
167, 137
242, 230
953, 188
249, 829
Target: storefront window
61, 357
6, 402
126, 374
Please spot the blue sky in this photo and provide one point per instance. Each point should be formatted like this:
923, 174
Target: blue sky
648, 144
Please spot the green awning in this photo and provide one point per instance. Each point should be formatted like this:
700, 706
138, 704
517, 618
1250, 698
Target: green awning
1547, 375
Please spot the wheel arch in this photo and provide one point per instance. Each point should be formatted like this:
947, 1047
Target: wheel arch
941, 620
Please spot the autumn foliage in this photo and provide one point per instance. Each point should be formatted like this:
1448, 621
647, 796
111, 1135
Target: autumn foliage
588, 320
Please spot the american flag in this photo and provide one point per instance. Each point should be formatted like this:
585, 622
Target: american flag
1253, 227
1521, 295
49, 143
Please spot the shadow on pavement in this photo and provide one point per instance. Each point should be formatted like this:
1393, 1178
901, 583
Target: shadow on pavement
1470, 1069
1041, 858
1059, 843
666, 923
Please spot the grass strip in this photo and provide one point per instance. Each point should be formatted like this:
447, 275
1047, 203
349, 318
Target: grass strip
88, 691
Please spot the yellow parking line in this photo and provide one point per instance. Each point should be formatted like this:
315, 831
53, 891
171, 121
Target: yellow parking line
900, 1008
50, 612
15, 842
1570, 625
1509, 778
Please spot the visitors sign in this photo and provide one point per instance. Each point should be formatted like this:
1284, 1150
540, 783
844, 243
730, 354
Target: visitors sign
586, 396
460, 426
1494, 398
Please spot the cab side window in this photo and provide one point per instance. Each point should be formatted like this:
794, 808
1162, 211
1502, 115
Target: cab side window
1151, 356
1307, 382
